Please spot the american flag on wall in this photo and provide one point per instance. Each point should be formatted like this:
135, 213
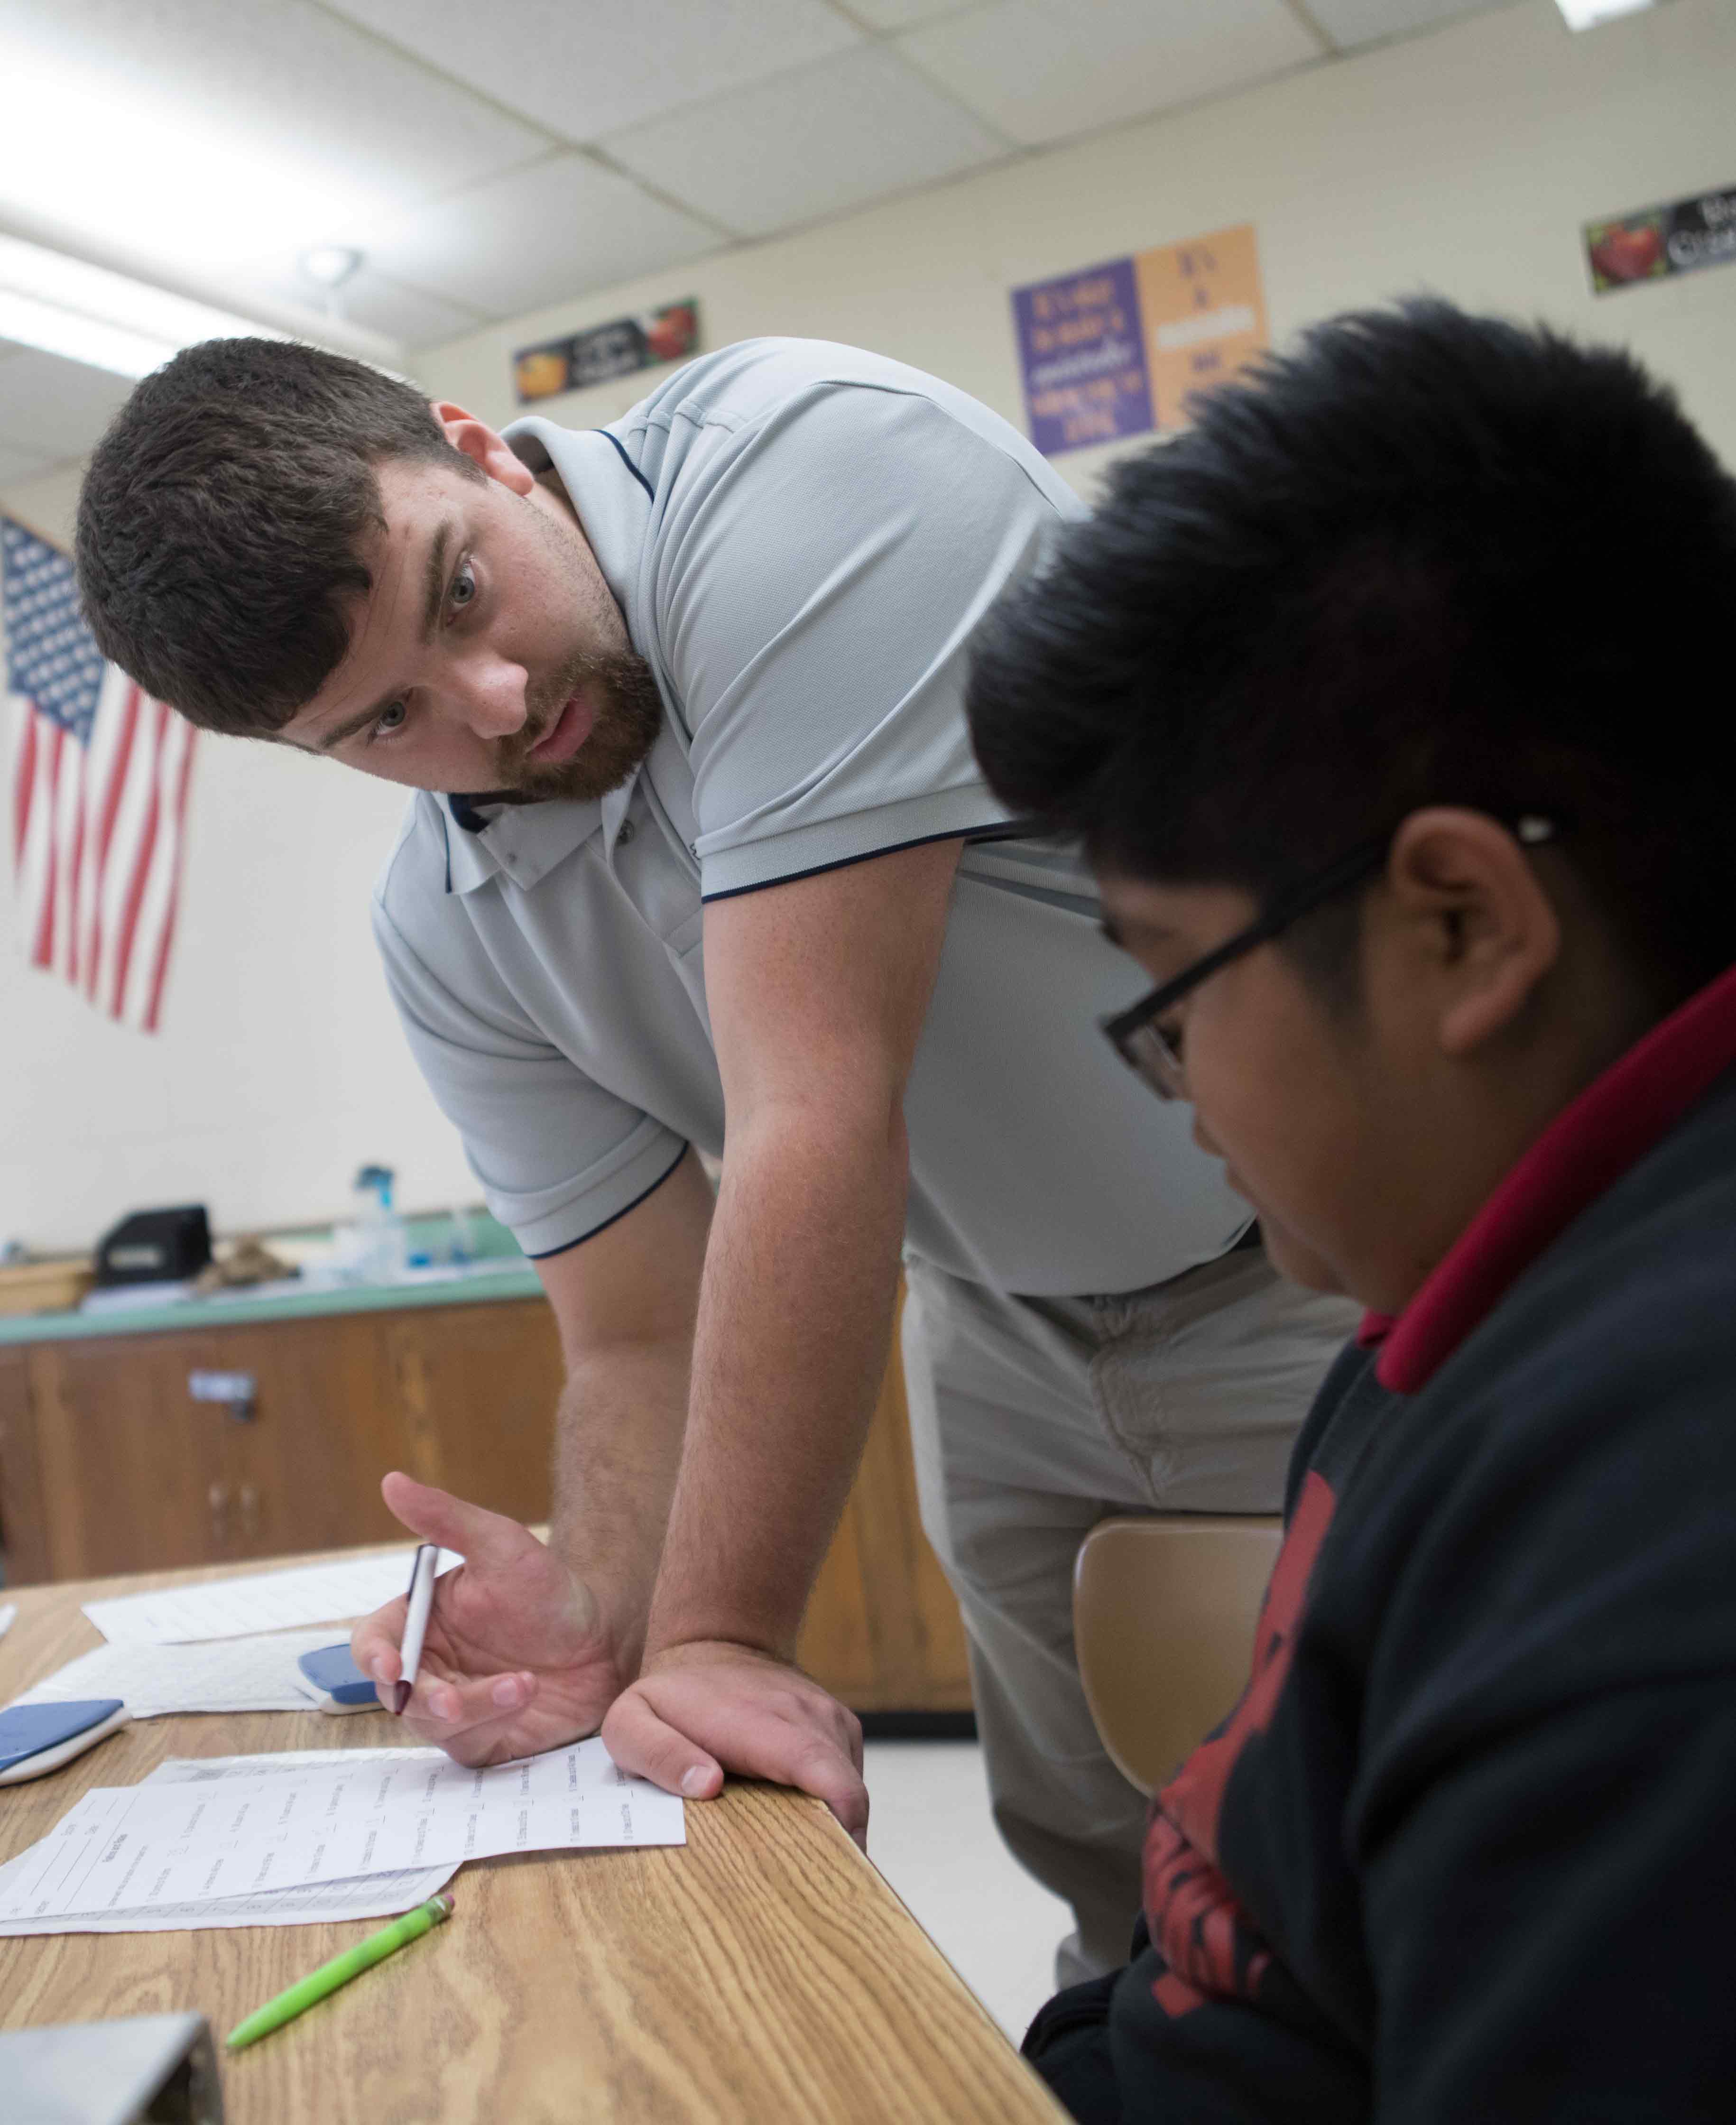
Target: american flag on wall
99, 794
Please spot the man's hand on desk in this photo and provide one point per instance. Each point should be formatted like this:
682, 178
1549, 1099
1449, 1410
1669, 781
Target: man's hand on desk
516, 1658
698, 1710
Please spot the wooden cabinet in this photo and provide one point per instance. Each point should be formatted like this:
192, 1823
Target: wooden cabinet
228, 1441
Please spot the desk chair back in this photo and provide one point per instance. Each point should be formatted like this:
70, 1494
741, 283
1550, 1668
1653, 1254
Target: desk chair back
1163, 1612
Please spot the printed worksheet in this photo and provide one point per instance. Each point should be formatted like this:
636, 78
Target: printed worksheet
264, 1601
224, 1674
364, 1897
184, 1843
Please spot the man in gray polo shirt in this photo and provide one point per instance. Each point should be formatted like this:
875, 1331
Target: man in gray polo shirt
702, 861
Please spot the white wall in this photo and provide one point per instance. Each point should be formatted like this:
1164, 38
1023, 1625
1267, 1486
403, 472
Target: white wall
279, 1068
1463, 162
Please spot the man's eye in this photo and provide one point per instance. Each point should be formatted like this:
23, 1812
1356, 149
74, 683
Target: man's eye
389, 719
463, 591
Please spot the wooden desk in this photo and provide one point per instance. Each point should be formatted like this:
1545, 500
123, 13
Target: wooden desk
763, 1973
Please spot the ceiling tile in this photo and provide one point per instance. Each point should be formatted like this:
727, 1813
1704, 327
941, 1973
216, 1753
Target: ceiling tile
19, 464
588, 67
901, 14
556, 230
1350, 23
1042, 70
371, 298
808, 145
55, 408
365, 128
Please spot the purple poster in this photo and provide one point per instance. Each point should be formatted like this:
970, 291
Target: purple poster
1082, 351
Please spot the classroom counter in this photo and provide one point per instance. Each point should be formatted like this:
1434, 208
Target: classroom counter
497, 1271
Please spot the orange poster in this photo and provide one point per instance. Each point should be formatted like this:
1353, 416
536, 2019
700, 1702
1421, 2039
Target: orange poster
1204, 315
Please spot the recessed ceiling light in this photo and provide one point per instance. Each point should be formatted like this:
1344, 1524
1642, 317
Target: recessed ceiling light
1587, 14
86, 312
329, 265
162, 179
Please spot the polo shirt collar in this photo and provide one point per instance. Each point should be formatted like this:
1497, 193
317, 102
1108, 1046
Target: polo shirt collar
1594, 1140
609, 496
521, 843
613, 504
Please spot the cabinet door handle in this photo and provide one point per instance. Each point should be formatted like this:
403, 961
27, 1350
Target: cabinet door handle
238, 1393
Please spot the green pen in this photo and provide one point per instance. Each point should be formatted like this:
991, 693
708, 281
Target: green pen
319, 1984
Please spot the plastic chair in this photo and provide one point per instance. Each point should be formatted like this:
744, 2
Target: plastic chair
1164, 1608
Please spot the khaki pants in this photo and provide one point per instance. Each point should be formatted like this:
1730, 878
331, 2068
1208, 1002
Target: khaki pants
1032, 1418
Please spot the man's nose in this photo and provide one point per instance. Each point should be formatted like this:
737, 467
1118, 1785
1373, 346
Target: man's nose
492, 697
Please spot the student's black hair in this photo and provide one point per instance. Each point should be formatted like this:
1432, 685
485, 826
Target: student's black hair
222, 522
1428, 557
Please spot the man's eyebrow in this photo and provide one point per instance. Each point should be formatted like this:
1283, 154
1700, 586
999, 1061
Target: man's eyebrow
433, 597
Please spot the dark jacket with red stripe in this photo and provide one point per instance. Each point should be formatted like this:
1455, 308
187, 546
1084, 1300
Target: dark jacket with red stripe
1466, 1850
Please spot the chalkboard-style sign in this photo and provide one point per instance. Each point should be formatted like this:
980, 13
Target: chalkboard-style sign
601, 351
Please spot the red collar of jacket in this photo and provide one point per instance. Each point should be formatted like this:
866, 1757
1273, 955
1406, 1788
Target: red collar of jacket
1588, 1147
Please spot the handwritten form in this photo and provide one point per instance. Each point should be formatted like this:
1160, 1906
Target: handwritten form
225, 1675
263, 1601
363, 1897
186, 1844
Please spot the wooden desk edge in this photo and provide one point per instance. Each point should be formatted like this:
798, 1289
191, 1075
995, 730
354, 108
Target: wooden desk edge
28, 1651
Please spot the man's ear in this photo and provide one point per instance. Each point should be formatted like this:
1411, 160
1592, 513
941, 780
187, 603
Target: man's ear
1471, 895
484, 446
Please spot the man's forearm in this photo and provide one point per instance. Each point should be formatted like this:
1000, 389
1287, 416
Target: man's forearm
617, 1447
794, 1324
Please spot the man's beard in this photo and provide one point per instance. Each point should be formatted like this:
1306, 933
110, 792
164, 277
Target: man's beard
626, 727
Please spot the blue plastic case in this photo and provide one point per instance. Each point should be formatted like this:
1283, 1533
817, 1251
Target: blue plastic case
35, 1738
335, 1675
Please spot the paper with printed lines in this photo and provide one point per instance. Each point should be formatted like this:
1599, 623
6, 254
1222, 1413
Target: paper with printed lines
286, 1600
182, 1845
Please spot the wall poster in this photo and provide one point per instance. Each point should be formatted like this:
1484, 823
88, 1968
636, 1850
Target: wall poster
1654, 241
1117, 350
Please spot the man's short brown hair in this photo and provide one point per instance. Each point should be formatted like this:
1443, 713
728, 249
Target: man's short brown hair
221, 523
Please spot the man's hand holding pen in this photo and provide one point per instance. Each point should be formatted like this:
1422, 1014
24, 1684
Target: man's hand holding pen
512, 1600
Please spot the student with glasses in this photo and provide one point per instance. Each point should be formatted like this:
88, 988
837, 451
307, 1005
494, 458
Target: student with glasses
1387, 703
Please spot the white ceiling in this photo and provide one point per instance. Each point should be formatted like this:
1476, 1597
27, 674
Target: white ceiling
490, 162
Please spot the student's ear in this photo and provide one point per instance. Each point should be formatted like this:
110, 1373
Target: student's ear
484, 446
1471, 898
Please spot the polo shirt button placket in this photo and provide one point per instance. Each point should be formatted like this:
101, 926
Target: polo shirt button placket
625, 835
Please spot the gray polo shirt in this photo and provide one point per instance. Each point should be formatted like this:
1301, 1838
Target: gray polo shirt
801, 537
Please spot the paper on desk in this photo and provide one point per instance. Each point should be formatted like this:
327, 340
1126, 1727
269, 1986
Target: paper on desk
226, 1675
364, 1897
181, 1844
263, 1601
8, 1609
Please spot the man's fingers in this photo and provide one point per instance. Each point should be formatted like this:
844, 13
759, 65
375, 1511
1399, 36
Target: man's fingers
376, 1640
639, 1741
751, 1738
821, 1770
450, 1703
479, 1537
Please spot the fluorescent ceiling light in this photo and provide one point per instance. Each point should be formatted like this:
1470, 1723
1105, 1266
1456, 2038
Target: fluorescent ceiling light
158, 177
1587, 14
88, 313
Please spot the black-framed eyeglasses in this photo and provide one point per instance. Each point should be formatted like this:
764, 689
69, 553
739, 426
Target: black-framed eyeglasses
1154, 1055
